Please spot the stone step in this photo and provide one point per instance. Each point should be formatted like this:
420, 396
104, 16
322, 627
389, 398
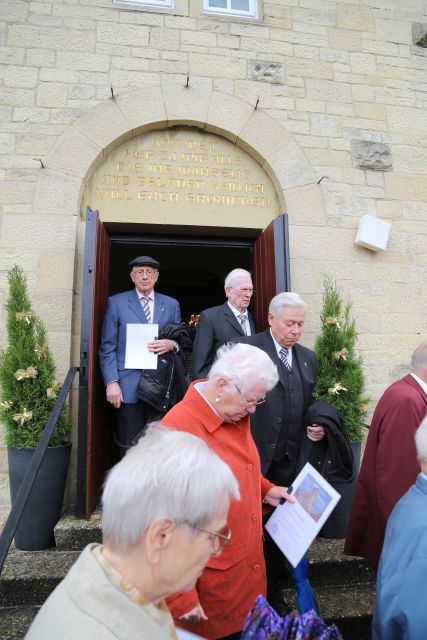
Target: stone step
15, 621
344, 586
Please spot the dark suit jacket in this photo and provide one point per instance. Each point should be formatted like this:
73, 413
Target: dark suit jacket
217, 326
122, 309
267, 421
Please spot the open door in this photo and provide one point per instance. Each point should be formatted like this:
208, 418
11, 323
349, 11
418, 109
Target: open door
270, 267
91, 451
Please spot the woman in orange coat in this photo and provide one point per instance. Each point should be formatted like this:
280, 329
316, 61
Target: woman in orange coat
217, 410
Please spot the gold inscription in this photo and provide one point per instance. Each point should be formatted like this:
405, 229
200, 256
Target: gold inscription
197, 170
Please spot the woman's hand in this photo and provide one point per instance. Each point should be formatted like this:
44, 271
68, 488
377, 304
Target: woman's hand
195, 615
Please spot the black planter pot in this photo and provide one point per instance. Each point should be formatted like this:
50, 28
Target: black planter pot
44, 505
337, 523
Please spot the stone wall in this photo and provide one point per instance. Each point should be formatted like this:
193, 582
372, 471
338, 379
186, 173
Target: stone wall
341, 84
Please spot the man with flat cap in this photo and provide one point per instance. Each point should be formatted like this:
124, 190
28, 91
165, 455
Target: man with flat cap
140, 304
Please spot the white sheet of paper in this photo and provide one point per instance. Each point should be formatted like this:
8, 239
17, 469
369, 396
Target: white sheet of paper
137, 355
293, 526
186, 635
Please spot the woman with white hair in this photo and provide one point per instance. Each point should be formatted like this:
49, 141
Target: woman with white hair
164, 515
217, 410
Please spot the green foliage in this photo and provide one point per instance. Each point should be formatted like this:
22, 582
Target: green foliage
340, 380
27, 372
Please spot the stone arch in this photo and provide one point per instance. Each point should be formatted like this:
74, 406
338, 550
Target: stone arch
87, 140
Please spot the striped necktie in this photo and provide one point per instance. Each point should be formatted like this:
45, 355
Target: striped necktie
145, 305
283, 355
242, 320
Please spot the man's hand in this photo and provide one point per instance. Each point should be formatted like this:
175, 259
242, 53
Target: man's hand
195, 615
159, 347
114, 394
315, 432
276, 494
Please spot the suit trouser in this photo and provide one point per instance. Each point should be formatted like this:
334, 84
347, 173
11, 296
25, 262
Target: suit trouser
281, 473
131, 421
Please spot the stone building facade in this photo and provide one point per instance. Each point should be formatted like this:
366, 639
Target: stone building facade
323, 101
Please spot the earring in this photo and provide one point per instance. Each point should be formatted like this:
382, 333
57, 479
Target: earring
217, 399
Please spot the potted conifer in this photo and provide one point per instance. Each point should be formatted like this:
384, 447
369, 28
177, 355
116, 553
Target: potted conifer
341, 382
28, 390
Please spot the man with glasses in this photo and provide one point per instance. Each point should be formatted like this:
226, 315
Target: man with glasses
140, 305
228, 321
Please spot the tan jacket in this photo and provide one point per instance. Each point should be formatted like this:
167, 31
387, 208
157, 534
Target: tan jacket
85, 606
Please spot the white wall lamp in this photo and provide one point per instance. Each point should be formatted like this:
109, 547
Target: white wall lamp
372, 233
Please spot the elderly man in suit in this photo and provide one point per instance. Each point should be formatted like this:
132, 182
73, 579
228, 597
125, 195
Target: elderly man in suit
140, 305
221, 324
278, 426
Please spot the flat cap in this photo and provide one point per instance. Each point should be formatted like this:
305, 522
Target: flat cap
144, 260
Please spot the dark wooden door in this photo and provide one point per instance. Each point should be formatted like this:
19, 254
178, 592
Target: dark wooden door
92, 462
270, 267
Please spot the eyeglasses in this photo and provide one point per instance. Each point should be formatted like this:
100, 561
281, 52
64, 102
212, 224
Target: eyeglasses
144, 272
218, 539
249, 403
243, 291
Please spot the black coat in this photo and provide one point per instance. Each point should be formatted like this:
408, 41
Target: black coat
267, 421
163, 387
217, 326
332, 456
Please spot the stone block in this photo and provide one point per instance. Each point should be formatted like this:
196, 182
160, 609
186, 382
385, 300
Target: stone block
45, 232
265, 71
57, 193
29, 36
408, 122
227, 116
181, 101
305, 204
163, 38
328, 90
30, 114
350, 16
17, 96
180, 22
268, 47
56, 269
38, 145
11, 55
86, 61
419, 34
344, 39
16, 11
375, 156
93, 124
15, 192
395, 31
370, 111
406, 187
216, 66
322, 124
309, 69
73, 153
201, 38
329, 158
52, 94
127, 34
143, 107
262, 137
288, 167
277, 15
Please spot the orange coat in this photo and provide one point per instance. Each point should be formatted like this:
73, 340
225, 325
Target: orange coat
229, 584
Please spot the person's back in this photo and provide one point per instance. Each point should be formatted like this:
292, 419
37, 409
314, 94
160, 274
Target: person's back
400, 608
